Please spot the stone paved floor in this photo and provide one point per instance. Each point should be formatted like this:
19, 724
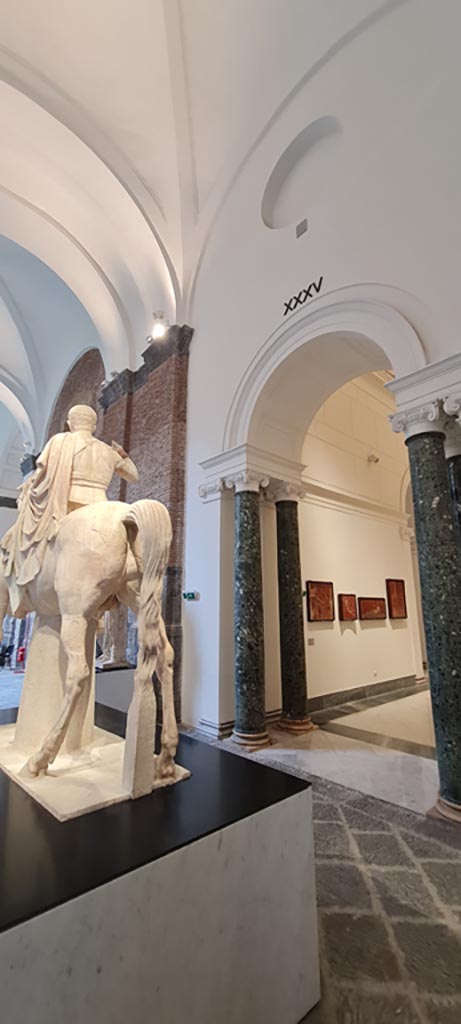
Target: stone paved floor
389, 899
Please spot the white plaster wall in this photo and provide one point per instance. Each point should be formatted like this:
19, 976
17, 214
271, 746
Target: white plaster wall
350, 534
383, 224
356, 552
351, 426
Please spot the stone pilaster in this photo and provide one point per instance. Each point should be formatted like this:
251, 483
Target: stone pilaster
439, 559
250, 712
295, 717
452, 407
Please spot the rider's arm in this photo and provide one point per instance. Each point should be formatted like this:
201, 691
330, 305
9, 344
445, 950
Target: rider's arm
124, 466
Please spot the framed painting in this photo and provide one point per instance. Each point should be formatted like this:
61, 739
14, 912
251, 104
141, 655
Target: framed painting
347, 607
396, 600
320, 601
372, 608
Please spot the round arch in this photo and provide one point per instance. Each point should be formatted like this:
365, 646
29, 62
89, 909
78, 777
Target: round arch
19, 413
304, 361
78, 217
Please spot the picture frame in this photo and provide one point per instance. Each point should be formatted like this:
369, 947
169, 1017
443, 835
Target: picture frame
396, 599
347, 607
320, 601
372, 608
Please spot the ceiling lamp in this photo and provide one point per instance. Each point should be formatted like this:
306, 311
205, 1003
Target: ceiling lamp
159, 327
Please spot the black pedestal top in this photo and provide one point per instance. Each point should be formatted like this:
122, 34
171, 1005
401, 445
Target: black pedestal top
44, 862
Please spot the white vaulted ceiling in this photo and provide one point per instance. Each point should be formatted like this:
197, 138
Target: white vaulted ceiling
124, 129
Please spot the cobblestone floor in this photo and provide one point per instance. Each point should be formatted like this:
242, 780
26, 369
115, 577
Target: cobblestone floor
389, 899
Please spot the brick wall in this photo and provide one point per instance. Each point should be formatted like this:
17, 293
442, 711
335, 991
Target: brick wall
82, 386
145, 411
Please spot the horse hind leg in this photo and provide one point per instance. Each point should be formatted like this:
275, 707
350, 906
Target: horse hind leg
138, 763
73, 637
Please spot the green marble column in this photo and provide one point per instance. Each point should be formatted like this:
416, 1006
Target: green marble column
295, 716
454, 476
453, 457
250, 707
439, 559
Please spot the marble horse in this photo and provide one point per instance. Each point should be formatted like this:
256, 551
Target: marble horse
104, 553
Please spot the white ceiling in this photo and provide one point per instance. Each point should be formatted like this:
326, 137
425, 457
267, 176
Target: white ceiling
124, 128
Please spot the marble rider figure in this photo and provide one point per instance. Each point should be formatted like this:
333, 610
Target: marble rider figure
74, 555
73, 470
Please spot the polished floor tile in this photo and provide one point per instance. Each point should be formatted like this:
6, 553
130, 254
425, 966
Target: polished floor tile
408, 719
400, 778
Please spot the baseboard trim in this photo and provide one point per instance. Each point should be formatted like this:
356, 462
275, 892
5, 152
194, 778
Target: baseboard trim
330, 700
222, 730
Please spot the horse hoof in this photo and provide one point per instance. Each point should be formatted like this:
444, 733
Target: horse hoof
165, 768
35, 767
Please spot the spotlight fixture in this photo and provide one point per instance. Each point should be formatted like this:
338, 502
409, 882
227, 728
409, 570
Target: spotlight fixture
159, 327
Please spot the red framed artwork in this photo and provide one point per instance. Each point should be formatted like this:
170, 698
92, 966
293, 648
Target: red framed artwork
347, 607
320, 601
372, 608
396, 600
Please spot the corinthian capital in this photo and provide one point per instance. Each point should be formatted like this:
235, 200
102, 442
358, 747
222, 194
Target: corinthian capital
452, 406
246, 480
211, 490
281, 491
423, 419
452, 435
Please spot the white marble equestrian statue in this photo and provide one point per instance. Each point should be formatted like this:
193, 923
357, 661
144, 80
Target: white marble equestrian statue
73, 554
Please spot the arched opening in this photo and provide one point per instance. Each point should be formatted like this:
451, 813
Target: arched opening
313, 412
353, 539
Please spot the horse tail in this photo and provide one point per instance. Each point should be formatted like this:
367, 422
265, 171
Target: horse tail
151, 547
148, 527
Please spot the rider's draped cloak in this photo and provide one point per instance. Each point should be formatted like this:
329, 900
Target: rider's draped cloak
42, 503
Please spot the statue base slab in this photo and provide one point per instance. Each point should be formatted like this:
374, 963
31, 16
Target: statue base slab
178, 907
76, 783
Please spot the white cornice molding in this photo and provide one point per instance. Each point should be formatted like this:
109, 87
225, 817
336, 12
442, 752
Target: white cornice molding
420, 419
231, 466
438, 380
352, 504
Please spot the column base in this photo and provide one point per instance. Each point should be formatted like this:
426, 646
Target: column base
296, 725
446, 811
251, 740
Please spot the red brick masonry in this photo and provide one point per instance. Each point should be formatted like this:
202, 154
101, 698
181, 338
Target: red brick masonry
146, 411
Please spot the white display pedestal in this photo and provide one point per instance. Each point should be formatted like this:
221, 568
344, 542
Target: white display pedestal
223, 929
